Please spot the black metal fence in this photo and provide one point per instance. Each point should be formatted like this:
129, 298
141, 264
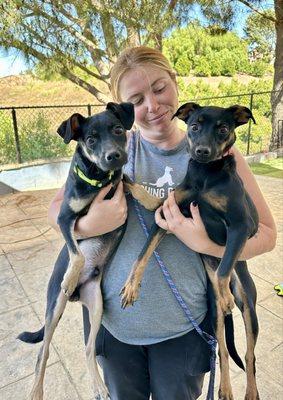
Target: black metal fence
29, 133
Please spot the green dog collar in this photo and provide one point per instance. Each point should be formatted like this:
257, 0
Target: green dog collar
93, 182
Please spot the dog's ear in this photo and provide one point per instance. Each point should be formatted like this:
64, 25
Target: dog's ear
124, 112
71, 128
241, 114
186, 110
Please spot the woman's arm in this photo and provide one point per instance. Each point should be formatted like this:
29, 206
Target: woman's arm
102, 217
192, 232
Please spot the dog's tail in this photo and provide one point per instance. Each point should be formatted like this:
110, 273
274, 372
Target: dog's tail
32, 337
230, 341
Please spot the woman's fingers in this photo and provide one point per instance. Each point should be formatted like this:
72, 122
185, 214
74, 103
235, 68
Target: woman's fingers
159, 218
102, 193
119, 193
195, 214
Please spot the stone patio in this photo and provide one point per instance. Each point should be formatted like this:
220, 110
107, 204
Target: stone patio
28, 249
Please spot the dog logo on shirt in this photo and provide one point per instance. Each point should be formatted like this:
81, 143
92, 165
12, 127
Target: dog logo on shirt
165, 178
159, 186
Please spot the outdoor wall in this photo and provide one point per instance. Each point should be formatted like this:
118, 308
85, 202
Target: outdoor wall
35, 176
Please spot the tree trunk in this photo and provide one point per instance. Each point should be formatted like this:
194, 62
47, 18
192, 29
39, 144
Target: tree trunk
277, 96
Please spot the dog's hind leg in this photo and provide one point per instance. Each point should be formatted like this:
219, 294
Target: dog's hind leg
51, 321
245, 297
225, 388
90, 296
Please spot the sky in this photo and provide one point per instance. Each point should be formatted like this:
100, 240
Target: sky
12, 64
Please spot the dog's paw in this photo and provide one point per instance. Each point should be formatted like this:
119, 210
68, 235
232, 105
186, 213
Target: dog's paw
129, 294
252, 394
227, 303
225, 394
69, 284
225, 297
36, 393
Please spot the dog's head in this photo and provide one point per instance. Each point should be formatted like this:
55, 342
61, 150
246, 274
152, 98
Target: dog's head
102, 137
211, 130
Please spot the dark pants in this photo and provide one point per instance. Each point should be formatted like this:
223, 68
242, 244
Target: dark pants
170, 370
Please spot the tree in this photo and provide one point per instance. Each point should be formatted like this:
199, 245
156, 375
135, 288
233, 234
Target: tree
277, 95
80, 39
276, 140
260, 34
224, 14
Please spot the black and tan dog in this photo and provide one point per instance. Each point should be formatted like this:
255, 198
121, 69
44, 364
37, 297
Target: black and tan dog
230, 218
98, 160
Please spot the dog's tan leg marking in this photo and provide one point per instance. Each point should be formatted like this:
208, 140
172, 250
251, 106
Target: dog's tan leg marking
90, 296
182, 195
130, 291
50, 326
215, 200
251, 390
144, 198
226, 299
71, 277
225, 388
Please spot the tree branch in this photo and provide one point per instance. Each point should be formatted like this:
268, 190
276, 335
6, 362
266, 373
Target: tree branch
262, 13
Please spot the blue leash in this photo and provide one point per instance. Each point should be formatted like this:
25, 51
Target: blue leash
210, 340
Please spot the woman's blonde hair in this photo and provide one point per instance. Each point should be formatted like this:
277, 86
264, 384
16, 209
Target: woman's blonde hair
136, 57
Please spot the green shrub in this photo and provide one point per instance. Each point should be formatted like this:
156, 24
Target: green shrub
227, 62
183, 65
220, 54
36, 140
215, 65
202, 67
7, 141
258, 68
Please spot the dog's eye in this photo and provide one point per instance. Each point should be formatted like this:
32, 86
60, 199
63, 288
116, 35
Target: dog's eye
118, 130
194, 127
223, 129
90, 142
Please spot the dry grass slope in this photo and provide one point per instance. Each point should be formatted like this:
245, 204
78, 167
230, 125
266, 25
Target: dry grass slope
25, 90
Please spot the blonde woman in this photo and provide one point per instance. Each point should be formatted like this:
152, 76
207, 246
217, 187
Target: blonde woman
152, 348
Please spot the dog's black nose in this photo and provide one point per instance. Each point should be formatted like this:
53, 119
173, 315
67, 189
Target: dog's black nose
203, 151
112, 156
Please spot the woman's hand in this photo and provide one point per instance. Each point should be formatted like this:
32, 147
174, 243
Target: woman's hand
190, 231
103, 215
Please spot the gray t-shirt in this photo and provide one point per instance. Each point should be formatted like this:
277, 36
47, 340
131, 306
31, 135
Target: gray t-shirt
156, 315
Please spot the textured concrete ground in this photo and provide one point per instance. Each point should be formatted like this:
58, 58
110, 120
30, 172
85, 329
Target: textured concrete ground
28, 249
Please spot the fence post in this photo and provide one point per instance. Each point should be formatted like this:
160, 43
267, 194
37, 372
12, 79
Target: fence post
250, 125
89, 110
16, 133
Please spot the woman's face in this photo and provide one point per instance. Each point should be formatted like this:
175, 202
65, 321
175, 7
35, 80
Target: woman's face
155, 98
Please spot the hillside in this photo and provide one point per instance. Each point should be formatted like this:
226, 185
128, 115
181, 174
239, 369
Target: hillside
25, 90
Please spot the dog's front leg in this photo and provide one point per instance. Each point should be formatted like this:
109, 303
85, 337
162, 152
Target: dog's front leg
141, 195
131, 289
236, 239
66, 220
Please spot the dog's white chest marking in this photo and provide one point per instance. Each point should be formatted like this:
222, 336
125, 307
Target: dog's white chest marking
79, 204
